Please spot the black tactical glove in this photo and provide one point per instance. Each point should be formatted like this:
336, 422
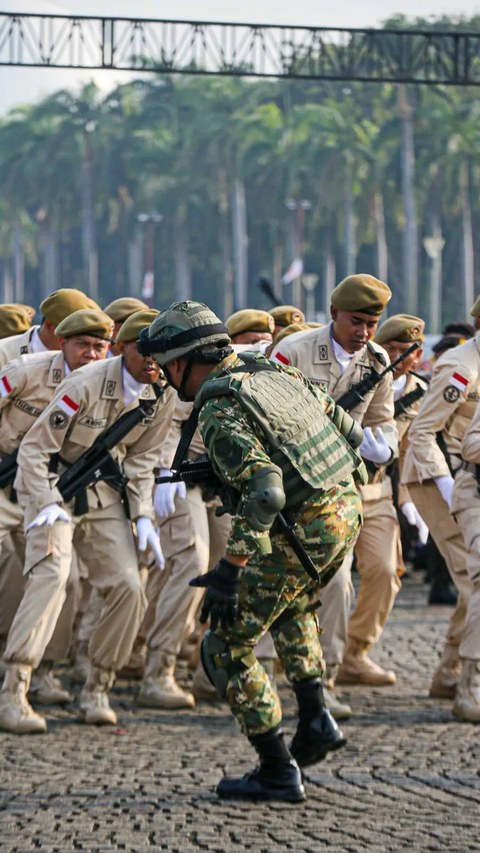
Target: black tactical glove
221, 598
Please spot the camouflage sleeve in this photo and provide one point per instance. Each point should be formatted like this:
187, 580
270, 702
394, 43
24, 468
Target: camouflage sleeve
236, 452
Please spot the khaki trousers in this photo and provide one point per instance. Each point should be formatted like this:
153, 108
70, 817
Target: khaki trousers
469, 522
13, 581
450, 542
103, 538
193, 540
379, 558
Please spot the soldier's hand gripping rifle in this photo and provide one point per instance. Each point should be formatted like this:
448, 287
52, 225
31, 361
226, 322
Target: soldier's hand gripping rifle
356, 395
201, 473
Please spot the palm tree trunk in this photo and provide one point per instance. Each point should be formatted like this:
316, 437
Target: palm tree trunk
7, 282
329, 274
50, 258
380, 236
225, 297
240, 244
90, 259
183, 275
434, 248
19, 260
410, 228
468, 259
349, 235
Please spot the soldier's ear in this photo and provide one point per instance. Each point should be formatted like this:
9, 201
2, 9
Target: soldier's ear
120, 347
333, 312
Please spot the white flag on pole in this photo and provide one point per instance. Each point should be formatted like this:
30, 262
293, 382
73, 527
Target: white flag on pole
294, 271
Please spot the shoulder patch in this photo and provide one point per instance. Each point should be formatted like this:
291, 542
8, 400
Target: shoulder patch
451, 394
459, 381
282, 358
58, 420
5, 387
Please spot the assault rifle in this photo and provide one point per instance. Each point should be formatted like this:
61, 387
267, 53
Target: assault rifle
357, 393
404, 403
201, 473
97, 463
267, 288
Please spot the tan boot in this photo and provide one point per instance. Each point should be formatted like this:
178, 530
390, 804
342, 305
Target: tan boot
159, 688
94, 705
358, 668
447, 674
82, 666
467, 699
16, 715
45, 689
135, 667
202, 687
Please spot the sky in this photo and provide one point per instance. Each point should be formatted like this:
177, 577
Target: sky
23, 85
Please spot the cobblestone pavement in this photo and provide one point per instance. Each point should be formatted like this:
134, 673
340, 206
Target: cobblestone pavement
408, 779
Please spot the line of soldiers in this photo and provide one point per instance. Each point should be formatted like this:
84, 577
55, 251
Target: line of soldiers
126, 575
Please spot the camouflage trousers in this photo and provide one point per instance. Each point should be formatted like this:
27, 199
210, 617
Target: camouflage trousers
275, 595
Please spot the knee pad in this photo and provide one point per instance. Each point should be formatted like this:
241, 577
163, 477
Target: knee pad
220, 662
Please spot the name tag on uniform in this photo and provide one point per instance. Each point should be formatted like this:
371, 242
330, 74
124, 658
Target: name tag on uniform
93, 423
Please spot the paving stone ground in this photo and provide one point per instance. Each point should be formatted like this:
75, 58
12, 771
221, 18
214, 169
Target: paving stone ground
408, 779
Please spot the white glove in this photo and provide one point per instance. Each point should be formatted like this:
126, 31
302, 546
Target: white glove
49, 515
147, 535
445, 486
413, 517
375, 447
164, 498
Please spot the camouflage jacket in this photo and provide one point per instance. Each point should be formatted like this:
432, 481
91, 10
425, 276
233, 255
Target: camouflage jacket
237, 448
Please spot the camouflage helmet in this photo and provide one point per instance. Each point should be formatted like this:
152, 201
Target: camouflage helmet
181, 330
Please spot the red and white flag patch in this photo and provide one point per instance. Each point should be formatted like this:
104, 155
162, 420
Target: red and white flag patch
282, 358
67, 405
5, 387
459, 381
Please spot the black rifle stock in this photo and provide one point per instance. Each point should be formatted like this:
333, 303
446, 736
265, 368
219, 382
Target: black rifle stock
201, 473
357, 393
404, 403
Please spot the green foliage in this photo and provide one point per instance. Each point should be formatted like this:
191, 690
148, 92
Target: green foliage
178, 145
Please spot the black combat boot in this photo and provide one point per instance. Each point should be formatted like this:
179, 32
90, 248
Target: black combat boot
277, 778
317, 732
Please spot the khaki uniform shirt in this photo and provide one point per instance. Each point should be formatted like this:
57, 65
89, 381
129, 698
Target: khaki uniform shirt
27, 385
448, 408
16, 345
465, 492
312, 352
86, 403
404, 422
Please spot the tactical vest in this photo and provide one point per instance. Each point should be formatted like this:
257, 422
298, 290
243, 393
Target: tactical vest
303, 441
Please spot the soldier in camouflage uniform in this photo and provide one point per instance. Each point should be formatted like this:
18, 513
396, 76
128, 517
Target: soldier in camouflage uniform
300, 460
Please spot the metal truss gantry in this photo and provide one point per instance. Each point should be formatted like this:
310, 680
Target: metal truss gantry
188, 47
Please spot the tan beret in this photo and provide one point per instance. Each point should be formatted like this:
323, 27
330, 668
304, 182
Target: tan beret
135, 323
86, 322
63, 302
121, 309
292, 329
403, 328
14, 319
475, 312
249, 320
363, 293
285, 315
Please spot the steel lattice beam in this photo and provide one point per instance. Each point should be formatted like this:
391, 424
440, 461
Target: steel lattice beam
451, 58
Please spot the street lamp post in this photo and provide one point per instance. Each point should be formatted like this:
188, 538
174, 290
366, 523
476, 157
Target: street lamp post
150, 219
